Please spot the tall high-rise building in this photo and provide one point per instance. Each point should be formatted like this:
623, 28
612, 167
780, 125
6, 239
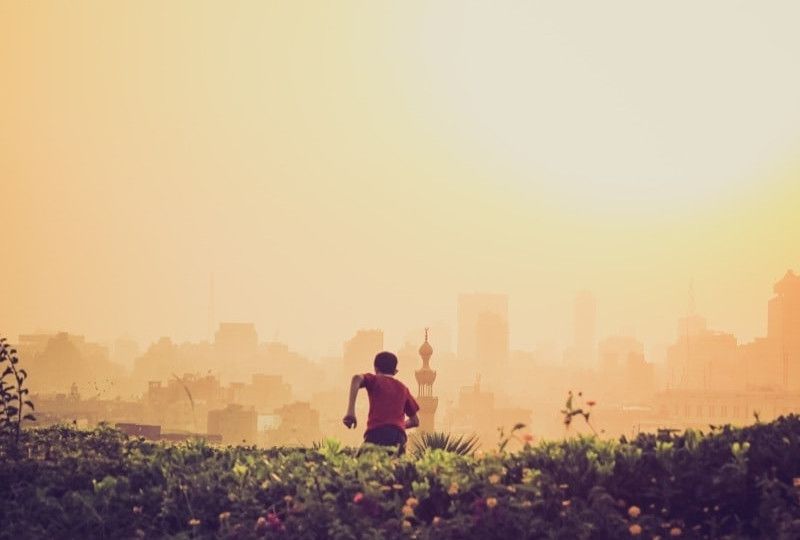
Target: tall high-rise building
583, 352
482, 328
783, 328
360, 350
585, 320
236, 346
425, 398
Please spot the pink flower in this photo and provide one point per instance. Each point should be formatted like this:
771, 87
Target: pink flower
358, 498
591, 403
275, 522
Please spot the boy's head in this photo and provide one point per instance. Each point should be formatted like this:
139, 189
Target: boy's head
386, 363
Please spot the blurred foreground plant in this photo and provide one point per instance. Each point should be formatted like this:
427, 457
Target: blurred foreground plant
13, 394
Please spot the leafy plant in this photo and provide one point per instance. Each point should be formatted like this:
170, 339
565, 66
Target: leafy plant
505, 439
13, 394
571, 410
461, 445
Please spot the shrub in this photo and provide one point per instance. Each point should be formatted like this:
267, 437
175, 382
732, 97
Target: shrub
100, 484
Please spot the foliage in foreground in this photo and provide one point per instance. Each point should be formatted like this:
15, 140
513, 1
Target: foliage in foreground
731, 483
462, 445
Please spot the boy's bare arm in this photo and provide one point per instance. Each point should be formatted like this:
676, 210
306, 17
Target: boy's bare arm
412, 422
349, 419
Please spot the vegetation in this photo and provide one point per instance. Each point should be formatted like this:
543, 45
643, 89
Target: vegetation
461, 445
13, 394
100, 484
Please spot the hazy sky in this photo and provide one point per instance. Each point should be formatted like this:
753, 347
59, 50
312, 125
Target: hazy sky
358, 164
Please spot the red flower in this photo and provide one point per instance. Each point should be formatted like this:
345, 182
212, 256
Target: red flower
275, 522
358, 497
591, 403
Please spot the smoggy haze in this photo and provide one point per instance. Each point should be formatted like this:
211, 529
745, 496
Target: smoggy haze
359, 165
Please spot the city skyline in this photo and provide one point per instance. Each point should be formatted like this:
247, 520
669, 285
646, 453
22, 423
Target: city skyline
584, 349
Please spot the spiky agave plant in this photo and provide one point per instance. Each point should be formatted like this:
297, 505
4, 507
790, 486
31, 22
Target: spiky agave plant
461, 445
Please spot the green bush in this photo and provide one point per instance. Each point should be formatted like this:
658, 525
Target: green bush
100, 484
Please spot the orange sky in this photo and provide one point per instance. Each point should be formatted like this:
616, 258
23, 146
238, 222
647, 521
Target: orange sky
359, 164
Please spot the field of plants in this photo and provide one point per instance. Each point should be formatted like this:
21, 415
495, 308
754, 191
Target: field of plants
60, 482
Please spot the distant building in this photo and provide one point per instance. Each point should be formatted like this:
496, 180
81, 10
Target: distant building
784, 328
53, 360
236, 346
299, 426
699, 408
702, 359
425, 398
125, 351
266, 392
235, 424
627, 377
477, 413
360, 350
583, 352
483, 330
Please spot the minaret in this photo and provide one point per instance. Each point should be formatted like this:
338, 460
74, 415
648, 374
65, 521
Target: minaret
425, 377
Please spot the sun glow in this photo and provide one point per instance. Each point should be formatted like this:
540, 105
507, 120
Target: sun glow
619, 107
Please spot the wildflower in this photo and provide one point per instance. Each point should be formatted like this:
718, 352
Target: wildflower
591, 403
261, 524
453, 489
436, 521
675, 531
528, 438
275, 522
491, 502
194, 522
358, 497
494, 478
634, 512
224, 516
137, 509
566, 503
563, 486
527, 504
412, 502
385, 488
287, 498
635, 529
397, 487
796, 482
406, 525
139, 533
407, 511
511, 489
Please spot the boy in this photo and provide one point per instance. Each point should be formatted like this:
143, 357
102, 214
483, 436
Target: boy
390, 402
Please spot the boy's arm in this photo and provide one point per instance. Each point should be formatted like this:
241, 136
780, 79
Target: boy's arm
411, 409
349, 419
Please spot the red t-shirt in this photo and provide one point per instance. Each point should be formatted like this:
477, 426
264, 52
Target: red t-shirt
390, 401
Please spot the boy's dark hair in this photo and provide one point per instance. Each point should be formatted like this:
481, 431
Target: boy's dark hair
386, 362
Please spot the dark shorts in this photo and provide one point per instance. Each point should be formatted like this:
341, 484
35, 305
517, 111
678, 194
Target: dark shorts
387, 436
